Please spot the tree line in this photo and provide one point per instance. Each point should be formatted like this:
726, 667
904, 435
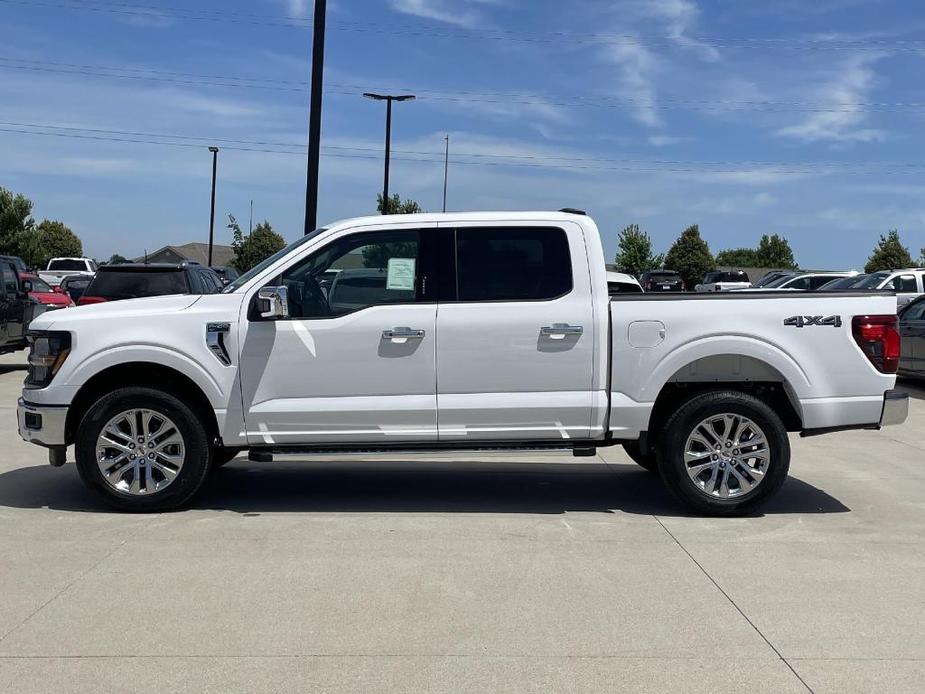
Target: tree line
35, 242
691, 258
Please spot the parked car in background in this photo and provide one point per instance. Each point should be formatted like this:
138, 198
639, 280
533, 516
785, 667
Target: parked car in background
800, 281
41, 293
621, 283
841, 283
661, 281
912, 345
134, 280
226, 273
18, 263
74, 286
722, 281
907, 283
16, 309
59, 268
771, 276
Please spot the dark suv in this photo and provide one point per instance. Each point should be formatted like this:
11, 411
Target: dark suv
661, 281
16, 310
134, 280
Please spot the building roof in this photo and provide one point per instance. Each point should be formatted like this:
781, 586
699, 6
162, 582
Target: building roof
195, 252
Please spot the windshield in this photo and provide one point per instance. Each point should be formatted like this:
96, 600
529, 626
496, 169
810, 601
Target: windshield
779, 281
267, 262
39, 285
768, 278
843, 283
872, 281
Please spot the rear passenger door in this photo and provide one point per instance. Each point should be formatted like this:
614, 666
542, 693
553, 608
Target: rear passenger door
912, 332
515, 349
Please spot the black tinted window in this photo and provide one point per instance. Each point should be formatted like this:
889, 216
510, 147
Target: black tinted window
10, 281
130, 285
914, 312
78, 265
512, 264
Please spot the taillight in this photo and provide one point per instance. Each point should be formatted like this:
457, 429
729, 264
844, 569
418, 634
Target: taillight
878, 338
85, 300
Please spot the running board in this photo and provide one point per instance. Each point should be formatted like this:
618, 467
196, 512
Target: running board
578, 449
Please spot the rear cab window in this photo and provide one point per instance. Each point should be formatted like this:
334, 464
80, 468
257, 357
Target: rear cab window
68, 264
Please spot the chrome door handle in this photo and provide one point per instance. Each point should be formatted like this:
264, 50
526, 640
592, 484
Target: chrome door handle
558, 331
402, 334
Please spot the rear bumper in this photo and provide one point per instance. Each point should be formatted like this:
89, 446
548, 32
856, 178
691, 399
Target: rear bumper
41, 424
895, 408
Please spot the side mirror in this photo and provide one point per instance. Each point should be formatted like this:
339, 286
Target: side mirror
26, 286
273, 302
57, 290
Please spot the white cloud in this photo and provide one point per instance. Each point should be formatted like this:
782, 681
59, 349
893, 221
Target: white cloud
666, 140
844, 92
678, 16
456, 12
636, 70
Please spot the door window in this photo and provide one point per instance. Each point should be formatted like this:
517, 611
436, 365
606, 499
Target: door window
10, 281
355, 272
798, 283
512, 264
914, 312
904, 283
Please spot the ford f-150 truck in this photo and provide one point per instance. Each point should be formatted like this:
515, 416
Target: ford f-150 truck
59, 268
462, 331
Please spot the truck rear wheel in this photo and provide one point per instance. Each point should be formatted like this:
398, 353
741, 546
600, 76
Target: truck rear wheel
645, 460
724, 453
142, 449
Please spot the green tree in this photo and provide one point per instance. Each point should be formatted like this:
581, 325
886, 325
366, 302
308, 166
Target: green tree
250, 249
888, 254
16, 223
738, 257
774, 251
690, 256
398, 206
116, 259
634, 252
51, 239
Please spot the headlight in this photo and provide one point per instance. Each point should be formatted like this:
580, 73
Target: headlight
47, 352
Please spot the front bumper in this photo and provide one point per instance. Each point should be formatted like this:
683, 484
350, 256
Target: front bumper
895, 408
42, 424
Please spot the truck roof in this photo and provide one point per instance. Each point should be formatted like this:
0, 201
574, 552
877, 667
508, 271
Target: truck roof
436, 217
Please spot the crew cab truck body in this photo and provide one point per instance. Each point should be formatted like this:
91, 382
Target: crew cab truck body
59, 268
468, 331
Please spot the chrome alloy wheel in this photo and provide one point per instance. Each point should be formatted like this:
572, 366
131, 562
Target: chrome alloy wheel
726, 456
140, 452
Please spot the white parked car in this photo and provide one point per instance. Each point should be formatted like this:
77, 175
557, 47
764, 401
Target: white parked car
800, 281
462, 331
907, 283
721, 281
59, 268
622, 283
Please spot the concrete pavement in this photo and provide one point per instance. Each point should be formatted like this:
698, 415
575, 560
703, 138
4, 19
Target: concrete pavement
448, 573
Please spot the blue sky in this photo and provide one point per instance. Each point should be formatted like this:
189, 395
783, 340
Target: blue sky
744, 116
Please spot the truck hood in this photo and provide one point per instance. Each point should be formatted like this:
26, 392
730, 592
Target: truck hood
128, 308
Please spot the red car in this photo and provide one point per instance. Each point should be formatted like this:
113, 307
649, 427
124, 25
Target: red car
43, 294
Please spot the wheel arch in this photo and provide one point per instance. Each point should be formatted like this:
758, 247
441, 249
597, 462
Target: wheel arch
141, 373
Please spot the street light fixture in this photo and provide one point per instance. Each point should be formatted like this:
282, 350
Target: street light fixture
388, 99
214, 151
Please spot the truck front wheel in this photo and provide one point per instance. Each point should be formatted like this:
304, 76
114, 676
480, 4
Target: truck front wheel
142, 449
724, 453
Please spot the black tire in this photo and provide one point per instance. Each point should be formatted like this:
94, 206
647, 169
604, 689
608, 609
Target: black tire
195, 465
223, 456
681, 424
647, 460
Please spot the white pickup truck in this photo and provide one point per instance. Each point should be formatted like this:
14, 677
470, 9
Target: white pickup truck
59, 268
462, 331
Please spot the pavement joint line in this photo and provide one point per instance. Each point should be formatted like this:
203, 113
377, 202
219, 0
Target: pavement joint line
67, 585
281, 656
733, 603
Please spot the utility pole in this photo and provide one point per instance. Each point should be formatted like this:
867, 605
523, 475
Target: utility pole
388, 99
446, 166
214, 151
314, 118
250, 227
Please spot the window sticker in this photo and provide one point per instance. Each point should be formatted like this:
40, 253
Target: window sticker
401, 274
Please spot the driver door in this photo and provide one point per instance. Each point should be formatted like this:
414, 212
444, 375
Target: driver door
355, 360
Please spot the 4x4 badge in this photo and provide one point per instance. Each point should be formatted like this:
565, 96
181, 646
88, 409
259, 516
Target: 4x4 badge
801, 321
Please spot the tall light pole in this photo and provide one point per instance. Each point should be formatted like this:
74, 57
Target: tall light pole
214, 151
446, 167
388, 99
314, 118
